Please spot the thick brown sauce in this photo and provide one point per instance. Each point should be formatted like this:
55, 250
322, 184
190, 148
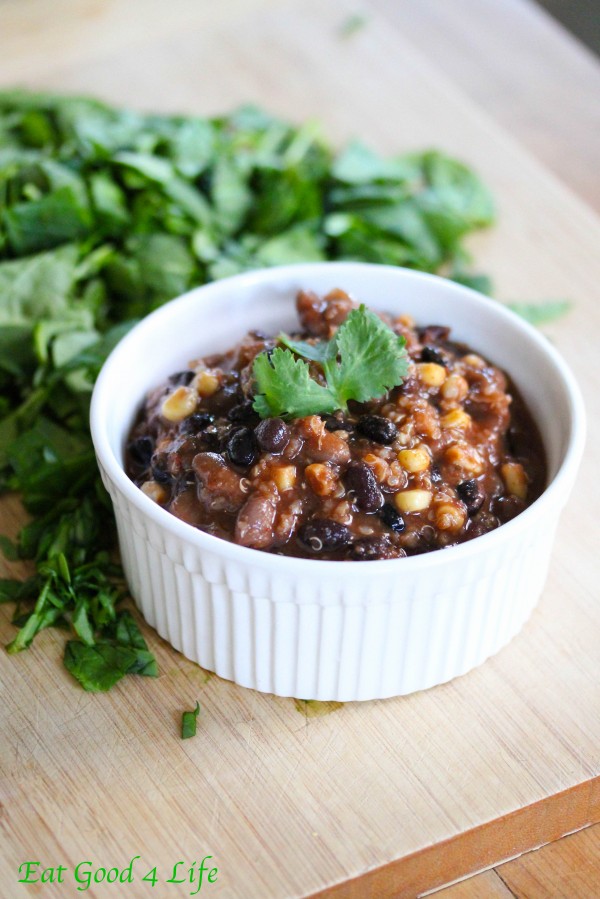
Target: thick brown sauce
450, 454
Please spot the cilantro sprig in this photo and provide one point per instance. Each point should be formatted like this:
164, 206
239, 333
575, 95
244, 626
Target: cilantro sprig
361, 362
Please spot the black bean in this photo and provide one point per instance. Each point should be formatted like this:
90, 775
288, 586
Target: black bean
481, 524
241, 447
231, 389
197, 422
433, 333
432, 354
392, 518
368, 549
141, 450
243, 412
323, 535
273, 435
472, 495
377, 428
182, 378
161, 475
517, 441
212, 441
435, 474
508, 507
221, 402
332, 423
360, 479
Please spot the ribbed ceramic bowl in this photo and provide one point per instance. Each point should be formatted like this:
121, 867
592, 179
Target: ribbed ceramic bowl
333, 630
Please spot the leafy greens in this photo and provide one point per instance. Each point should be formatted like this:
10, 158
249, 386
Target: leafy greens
107, 213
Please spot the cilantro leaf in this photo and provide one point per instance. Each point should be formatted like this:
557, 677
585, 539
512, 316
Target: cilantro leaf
316, 352
189, 721
128, 633
372, 359
363, 361
285, 388
100, 667
540, 313
474, 280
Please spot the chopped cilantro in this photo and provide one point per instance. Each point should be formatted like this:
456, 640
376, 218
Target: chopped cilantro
189, 722
107, 213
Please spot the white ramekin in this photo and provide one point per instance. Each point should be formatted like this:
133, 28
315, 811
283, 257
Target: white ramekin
333, 630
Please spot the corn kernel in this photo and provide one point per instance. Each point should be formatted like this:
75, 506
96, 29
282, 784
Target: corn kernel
456, 418
179, 404
413, 500
205, 383
466, 458
515, 479
414, 460
321, 478
378, 466
285, 477
154, 491
449, 517
455, 388
431, 374
474, 361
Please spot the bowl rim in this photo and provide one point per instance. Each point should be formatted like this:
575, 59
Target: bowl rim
552, 499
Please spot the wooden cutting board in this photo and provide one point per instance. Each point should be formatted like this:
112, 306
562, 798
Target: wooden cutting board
403, 794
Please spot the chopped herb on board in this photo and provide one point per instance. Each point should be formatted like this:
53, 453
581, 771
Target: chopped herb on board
104, 215
189, 721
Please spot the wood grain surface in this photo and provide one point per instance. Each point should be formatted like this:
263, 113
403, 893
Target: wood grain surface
522, 67
507, 836
488, 884
289, 805
566, 869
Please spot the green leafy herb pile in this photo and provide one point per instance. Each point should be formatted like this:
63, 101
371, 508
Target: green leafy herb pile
104, 215
362, 361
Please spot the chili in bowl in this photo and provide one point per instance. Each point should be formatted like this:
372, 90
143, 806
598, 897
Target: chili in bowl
446, 454
249, 478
